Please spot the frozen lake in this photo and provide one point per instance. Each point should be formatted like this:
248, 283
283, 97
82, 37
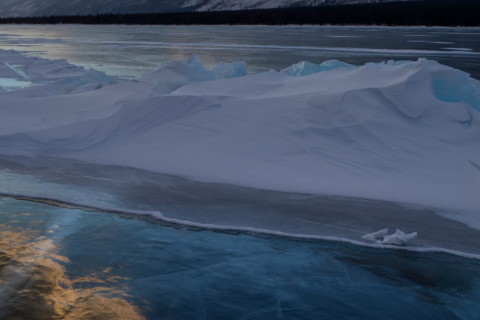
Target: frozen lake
130, 51
243, 198
91, 265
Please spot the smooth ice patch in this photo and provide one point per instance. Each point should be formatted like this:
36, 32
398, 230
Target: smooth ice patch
458, 49
10, 84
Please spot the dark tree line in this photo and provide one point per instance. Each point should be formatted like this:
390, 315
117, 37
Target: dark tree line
422, 12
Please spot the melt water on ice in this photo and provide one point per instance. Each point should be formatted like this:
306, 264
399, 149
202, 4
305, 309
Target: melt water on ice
328, 151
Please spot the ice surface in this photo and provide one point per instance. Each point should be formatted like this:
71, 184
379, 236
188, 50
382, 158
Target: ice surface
398, 131
9, 83
174, 271
228, 207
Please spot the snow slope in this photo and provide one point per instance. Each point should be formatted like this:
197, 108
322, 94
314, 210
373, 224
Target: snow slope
218, 5
401, 131
22, 8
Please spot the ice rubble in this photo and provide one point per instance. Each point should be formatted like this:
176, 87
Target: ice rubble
305, 68
398, 238
176, 74
376, 236
402, 131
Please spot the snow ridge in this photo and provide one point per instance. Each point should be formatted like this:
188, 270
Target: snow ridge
402, 131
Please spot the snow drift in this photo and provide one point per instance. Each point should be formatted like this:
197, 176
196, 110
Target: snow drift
401, 131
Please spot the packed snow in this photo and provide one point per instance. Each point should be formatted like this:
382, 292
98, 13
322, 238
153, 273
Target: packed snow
405, 131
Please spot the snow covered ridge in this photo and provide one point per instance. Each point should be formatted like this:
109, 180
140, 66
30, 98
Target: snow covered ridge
401, 131
219, 5
25, 8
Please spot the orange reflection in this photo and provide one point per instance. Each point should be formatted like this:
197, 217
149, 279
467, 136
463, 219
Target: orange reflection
34, 285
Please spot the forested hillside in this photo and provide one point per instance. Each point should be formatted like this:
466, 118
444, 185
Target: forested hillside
426, 12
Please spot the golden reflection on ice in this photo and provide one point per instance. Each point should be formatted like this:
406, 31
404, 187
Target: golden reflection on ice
34, 284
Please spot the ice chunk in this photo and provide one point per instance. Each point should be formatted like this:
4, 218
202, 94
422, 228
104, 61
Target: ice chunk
305, 68
454, 86
178, 73
228, 70
17, 72
399, 238
378, 235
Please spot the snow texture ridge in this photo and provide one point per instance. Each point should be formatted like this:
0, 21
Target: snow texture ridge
400, 131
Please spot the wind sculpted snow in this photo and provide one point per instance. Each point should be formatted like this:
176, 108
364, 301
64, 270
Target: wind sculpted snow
398, 131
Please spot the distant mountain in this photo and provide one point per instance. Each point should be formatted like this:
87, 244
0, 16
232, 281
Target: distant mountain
25, 8
218, 5
28, 8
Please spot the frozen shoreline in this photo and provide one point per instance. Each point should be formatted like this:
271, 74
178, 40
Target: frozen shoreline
158, 217
395, 132
380, 131
182, 202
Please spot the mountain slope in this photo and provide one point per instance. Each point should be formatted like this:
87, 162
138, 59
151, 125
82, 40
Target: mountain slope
9, 8
25, 8
218, 5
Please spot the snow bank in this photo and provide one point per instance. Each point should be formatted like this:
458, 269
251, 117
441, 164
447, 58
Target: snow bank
401, 131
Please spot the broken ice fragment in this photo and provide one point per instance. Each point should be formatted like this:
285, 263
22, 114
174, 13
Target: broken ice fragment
378, 235
399, 238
